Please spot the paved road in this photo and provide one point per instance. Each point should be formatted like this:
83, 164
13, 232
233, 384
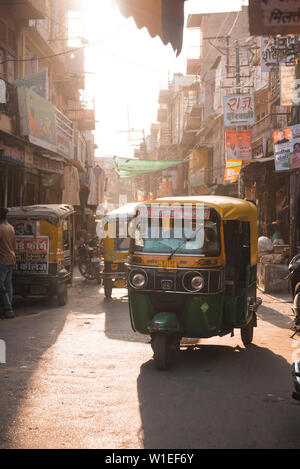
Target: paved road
78, 377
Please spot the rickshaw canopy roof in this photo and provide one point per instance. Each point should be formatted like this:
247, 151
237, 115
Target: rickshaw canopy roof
229, 208
128, 209
52, 213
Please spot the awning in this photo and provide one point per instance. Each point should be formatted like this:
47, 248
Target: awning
131, 167
163, 18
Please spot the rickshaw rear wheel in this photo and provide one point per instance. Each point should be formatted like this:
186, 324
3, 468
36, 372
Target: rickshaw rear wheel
161, 345
62, 296
247, 333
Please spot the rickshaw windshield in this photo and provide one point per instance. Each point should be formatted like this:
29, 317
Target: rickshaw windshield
165, 237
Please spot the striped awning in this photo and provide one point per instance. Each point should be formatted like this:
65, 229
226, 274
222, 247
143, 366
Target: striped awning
163, 18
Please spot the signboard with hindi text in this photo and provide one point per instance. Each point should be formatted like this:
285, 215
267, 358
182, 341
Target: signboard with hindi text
277, 50
239, 110
32, 254
272, 17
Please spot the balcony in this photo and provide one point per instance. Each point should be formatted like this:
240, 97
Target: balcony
25, 9
83, 119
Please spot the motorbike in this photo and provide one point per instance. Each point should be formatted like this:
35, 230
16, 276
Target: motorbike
89, 262
294, 286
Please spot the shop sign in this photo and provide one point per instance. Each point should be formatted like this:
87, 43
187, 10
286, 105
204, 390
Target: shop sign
13, 153
289, 86
238, 145
239, 110
32, 254
272, 17
275, 50
232, 170
37, 119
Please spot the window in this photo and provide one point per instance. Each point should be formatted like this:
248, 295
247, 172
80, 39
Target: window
8, 52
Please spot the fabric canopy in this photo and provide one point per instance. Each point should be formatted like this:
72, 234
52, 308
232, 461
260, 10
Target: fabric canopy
163, 18
131, 167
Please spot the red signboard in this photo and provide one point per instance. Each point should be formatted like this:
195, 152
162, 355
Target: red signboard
32, 254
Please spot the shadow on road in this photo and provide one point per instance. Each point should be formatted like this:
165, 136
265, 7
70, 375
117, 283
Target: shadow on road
28, 336
219, 397
275, 317
117, 318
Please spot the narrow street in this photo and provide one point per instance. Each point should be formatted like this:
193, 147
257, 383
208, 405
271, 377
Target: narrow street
78, 377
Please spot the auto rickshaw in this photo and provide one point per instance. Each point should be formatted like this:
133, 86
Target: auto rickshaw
116, 247
44, 250
192, 271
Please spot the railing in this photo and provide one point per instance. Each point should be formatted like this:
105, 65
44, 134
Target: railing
65, 135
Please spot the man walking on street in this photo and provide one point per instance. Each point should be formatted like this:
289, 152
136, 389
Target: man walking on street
7, 262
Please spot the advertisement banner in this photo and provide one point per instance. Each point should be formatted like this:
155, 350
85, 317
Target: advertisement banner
289, 86
37, 119
238, 145
286, 144
239, 110
232, 170
272, 17
32, 254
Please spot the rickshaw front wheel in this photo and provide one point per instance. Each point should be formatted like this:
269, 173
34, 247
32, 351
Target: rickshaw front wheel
247, 334
161, 345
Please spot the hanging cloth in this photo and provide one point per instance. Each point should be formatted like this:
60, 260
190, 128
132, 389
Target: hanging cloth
71, 186
97, 184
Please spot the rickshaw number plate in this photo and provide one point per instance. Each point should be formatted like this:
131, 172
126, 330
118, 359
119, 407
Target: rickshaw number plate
167, 264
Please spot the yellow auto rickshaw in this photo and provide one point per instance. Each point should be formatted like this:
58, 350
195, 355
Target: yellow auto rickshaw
192, 271
44, 250
115, 247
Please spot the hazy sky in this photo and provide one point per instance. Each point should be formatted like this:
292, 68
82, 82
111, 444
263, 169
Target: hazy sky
127, 69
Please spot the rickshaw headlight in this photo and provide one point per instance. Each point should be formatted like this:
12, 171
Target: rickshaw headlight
197, 282
138, 280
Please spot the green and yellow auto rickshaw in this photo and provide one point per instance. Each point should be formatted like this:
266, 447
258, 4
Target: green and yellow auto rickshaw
192, 271
116, 242
44, 246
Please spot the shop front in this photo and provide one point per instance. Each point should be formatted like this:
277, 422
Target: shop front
12, 163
